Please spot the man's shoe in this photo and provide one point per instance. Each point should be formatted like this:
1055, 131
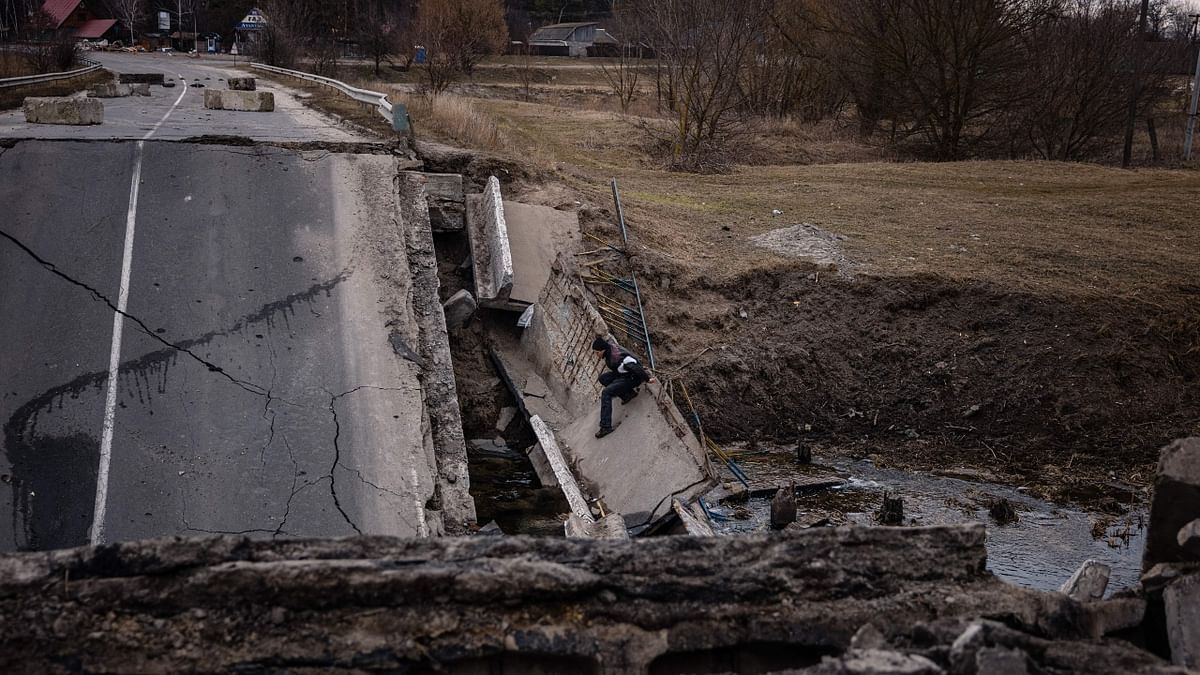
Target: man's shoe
604, 431
627, 399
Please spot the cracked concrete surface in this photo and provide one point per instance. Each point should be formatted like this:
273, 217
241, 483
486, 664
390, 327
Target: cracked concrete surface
258, 391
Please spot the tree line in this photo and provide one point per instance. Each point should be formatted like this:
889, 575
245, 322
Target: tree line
937, 79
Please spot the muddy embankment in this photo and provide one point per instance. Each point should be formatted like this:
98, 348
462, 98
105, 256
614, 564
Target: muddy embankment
1071, 395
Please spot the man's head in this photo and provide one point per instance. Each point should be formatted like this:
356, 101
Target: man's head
599, 345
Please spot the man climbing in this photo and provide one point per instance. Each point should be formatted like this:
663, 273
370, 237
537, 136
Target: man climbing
624, 375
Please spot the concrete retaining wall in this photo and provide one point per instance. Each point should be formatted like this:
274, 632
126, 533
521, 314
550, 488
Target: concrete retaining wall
62, 110
491, 254
244, 101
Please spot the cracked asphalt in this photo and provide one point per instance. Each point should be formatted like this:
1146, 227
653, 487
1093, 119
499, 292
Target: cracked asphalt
258, 391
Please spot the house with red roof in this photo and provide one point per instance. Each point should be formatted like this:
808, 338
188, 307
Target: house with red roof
77, 18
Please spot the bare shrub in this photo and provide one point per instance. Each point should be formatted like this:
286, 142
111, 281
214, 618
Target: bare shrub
623, 75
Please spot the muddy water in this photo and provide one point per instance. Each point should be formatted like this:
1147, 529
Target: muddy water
506, 490
1040, 550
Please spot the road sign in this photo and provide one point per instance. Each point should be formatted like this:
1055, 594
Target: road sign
253, 21
164, 21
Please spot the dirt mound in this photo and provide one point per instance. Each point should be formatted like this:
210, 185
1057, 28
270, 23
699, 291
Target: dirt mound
924, 371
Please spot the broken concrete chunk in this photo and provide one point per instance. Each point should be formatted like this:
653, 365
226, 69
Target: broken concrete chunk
783, 507
459, 308
1113, 615
1176, 503
63, 110
1182, 603
881, 662
242, 84
1088, 583
505, 418
1001, 661
868, 637
611, 526
491, 255
964, 648
1189, 538
243, 101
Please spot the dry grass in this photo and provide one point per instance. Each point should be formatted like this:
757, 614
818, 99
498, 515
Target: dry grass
1050, 227
455, 119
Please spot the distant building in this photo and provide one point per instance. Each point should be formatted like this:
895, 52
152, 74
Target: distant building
571, 39
76, 19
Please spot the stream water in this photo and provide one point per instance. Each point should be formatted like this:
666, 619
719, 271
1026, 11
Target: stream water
1040, 550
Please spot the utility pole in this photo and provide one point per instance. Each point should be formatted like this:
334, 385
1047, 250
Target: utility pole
1191, 123
1135, 90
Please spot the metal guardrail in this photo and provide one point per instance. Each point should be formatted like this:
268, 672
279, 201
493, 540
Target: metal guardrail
379, 100
50, 77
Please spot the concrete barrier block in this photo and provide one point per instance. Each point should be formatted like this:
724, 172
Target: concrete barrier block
140, 89
112, 90
148, 78
62, 110
242, 84
1176, 503
243, 101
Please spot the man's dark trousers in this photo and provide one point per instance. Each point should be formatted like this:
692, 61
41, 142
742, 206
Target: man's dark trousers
615, 385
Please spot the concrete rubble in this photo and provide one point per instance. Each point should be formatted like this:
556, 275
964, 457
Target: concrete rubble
1188, 539
447, 200
1088, 583
1176, 503
63, 110
459, 308
520, 604
243, 101
1181, 600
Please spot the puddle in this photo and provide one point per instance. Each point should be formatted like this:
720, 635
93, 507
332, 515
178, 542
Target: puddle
506, 489
1040, 550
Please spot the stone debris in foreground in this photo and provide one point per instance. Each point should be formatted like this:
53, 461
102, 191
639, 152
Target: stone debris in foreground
1176, 503
477, 604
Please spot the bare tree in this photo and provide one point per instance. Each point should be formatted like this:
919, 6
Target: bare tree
457, 34
130, 12
940, 69
702, 47
286, 26
623, 75
376, 27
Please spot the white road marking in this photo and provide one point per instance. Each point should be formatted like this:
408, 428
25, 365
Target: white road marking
114, 356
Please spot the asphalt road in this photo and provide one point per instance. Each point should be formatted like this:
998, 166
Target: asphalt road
133, 116
250, 382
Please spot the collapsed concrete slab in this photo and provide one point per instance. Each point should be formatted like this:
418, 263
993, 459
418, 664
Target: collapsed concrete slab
1176, 502
491, 255
536, 235
452, 492
63, 110
242, 84
242, 101
524, 604
650, 459
446, 201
